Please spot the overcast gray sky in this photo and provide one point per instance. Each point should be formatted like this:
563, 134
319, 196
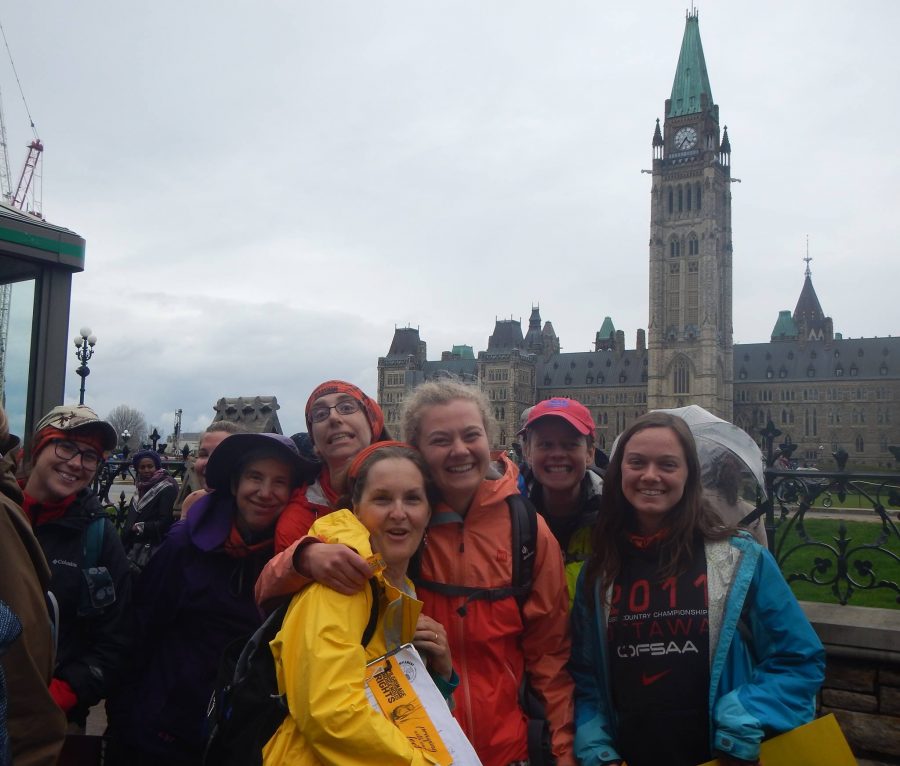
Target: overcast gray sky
268, 188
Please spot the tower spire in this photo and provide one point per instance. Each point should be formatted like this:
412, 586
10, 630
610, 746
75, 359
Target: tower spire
808, 258
691, 91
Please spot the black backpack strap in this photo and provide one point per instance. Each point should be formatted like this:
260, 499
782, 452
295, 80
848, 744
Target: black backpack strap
523, 523
471, 594
373, 613
523, 518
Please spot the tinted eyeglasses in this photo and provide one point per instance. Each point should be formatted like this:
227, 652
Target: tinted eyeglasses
322, 412
66, 450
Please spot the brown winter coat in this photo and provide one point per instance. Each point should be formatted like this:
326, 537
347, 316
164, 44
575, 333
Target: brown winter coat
36, 725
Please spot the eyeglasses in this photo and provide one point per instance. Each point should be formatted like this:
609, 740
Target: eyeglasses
66, 450
344, 407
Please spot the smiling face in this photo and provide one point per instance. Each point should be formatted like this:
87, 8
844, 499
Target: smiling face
654, 474
208, 443
261, 493
558, 454
53, 478
454, 443
339, 438
145, 469
394, 508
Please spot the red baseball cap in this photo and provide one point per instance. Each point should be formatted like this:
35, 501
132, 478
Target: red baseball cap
574, 413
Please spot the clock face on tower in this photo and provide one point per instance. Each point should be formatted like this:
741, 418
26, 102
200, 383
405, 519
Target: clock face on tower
685, 139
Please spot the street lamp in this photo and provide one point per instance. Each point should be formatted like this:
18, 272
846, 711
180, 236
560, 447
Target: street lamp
126, 435
84, 350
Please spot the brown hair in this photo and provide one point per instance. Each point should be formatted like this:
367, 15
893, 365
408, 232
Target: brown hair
690, 518
357, 481
442, 391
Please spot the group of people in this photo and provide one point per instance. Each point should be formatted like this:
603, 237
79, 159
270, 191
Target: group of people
621, 617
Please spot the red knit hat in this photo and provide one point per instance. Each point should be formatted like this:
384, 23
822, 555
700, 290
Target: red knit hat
370, 407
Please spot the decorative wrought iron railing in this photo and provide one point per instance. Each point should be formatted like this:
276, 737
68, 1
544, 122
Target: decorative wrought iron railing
844, 562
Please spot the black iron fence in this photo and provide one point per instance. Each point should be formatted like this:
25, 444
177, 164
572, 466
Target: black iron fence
841, 562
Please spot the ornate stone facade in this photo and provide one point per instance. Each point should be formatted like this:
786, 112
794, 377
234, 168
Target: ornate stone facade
822, 391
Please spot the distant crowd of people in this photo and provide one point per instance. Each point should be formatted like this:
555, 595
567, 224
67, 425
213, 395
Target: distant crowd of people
567, 614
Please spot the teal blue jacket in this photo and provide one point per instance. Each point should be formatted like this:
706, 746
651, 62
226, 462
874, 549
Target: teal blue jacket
757, 688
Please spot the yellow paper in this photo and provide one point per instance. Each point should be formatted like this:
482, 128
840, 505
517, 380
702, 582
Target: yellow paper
402, 707
820, 743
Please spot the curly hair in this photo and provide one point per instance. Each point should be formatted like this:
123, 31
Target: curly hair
442, 391
692, 516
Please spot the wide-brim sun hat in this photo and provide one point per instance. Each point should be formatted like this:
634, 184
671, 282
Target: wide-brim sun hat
228, 454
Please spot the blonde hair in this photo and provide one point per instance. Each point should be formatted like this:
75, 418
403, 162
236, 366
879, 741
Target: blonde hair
443, 391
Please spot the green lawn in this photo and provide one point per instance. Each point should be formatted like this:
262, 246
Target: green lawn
883, 566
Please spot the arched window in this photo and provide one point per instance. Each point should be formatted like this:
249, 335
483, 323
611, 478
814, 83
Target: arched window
674, 248
860, 444
693, 244
689, 195
698, 195
682, 377
671, 203
680, 198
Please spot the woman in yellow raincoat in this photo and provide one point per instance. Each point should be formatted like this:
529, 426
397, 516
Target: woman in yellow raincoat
319, 656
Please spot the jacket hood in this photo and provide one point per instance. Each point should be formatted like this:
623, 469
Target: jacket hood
343, 527
593, 484
209, 520
500, 483
402, 609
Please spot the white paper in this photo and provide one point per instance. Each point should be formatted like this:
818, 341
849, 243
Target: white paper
414, 669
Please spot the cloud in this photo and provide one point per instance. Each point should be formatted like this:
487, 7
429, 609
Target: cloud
267, 190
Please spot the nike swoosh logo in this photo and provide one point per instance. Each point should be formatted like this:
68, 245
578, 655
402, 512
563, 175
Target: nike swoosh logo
647, 680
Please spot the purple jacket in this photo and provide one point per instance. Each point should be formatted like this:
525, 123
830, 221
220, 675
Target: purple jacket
192, 600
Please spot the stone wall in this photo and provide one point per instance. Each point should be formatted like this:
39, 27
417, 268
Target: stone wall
862, 676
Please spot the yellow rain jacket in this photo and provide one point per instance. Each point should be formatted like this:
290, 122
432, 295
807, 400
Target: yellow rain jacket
320, 664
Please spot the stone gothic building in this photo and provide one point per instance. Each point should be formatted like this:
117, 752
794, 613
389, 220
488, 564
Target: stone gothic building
823, 391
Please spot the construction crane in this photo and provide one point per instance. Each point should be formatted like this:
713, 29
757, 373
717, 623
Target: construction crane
17, 200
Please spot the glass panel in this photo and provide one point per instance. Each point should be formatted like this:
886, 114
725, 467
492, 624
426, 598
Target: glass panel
18, 354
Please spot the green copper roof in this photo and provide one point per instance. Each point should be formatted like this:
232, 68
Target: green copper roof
606, 329
464, 352
784, 326
691, 79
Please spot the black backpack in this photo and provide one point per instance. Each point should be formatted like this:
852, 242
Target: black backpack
523, 518
246, 709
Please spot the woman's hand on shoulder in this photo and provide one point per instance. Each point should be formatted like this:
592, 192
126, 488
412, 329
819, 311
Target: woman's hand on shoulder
431, 638
335, 565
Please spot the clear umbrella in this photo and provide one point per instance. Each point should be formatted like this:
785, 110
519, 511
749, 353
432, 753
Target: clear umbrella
717, 442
